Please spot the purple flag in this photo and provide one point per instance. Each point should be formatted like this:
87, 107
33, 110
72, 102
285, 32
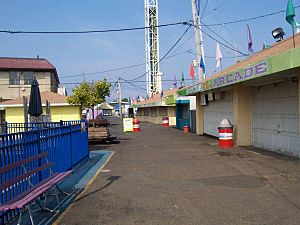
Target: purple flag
161, 93
175, 82
250, 44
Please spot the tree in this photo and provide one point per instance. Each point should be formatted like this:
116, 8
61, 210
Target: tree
89, 95
125, 100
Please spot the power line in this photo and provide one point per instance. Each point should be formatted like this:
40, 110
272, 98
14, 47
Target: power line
219, 6
213, 57
233, 49
247, 19
92, 31
104, 71
132, 84
185, 41
166, 53
124, 81
114, 87
117, 69
204, 8
224, 39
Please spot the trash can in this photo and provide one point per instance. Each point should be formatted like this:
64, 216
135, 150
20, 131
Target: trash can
225, 134
165, 121
185, 129
136, 125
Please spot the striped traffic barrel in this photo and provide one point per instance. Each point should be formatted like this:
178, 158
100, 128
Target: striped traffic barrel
226, 134
136, 125
165, 121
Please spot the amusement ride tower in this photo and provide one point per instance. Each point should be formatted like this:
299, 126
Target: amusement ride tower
153, 75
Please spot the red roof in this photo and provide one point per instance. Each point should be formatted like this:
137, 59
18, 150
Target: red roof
25, 63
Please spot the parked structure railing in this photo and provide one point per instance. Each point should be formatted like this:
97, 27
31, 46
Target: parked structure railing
66, 142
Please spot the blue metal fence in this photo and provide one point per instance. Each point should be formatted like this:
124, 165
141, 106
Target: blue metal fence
66, 142
8, 128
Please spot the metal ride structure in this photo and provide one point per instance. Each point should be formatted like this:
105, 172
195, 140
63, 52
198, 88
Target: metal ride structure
153, 75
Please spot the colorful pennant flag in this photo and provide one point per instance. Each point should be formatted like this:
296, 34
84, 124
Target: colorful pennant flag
290, 14
182, 78
250, 44
218, 56
175, 82
202, 65
192, 72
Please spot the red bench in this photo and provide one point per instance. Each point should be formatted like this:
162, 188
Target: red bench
24, 181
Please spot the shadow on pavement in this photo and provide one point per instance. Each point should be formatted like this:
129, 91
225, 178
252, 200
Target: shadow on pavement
110, 179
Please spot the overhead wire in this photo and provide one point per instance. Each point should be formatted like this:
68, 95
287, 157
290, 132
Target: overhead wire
219, 6
93, 31
114, 87
132, 84
229, 47
224, 39
248, 19
118, 69
168, 52
204, 8
192, 34
213, 57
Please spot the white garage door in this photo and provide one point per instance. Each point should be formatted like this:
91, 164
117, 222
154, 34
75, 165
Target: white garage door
275, 115
217, 110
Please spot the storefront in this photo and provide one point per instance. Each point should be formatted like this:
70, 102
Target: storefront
185, 106
259, 95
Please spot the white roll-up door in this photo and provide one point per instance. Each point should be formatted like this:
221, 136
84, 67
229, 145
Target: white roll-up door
217, 110
275, 115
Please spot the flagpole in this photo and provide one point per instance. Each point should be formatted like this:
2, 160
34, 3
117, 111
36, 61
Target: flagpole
294, 37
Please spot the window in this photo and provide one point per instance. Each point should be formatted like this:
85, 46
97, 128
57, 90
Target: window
14, 78
28, 77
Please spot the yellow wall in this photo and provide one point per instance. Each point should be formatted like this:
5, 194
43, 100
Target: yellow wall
242, 114
15, 115
199, 115
65, 113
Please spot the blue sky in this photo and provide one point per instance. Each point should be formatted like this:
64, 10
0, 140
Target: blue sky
79, 54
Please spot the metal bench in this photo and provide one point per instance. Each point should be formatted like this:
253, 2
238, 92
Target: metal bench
25, 181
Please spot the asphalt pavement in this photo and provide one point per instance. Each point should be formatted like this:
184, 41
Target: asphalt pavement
163, 176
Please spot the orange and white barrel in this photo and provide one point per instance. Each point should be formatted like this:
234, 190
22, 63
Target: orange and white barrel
165, 121
136, 125
185, 129
226, 137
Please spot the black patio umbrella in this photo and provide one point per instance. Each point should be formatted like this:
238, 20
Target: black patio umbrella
35, 102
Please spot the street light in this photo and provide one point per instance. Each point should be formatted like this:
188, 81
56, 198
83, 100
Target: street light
278, 34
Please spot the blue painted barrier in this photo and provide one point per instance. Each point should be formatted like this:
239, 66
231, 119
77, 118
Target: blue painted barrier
66, 142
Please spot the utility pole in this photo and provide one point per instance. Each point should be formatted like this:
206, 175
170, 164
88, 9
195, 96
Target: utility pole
19, 81
119, 98
199, 39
